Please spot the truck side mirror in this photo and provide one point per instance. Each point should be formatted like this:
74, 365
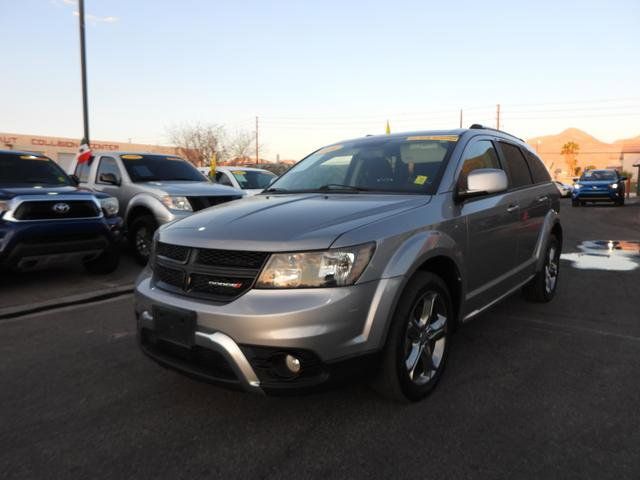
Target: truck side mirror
109, 178
74, 178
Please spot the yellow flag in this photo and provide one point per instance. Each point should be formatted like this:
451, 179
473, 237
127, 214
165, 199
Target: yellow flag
388, 129
212, 165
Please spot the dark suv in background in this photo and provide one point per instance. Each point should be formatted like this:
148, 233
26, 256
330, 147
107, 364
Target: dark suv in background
45, 219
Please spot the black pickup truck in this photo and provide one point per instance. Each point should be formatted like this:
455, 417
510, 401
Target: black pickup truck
45, 219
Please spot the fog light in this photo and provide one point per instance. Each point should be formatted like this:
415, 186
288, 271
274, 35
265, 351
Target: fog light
293, 364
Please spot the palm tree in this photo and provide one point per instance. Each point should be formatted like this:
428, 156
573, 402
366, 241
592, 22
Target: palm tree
570, 152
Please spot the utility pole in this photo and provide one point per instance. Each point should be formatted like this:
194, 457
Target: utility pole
498, 117
257, 148
460, 118
83, 68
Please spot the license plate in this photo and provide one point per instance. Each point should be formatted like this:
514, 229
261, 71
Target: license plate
175, 326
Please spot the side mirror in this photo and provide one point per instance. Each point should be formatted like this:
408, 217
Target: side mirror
575, 179
109, 178
484, 181
75, 179
623, 179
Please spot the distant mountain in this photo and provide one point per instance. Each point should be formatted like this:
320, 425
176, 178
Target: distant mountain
592, 152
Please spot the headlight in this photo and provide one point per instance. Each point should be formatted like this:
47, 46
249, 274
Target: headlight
577, 186
110, 206
614, 185
176, 203
332, 268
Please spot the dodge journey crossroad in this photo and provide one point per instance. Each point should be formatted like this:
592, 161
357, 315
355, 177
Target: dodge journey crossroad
363, 257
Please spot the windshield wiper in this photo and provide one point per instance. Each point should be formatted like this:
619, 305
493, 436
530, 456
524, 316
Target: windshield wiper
339, 186
275, 190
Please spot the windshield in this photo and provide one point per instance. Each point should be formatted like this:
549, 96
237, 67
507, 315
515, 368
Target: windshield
25, 170
251, 179
596, 175
411, 164
157, 168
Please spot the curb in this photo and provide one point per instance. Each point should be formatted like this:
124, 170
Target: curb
79, 299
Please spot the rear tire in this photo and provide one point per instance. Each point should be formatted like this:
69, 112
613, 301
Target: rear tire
107, 262
141, 236
542, 287
418, 341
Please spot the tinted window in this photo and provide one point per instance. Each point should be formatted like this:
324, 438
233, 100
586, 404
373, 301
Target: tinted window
157, 168
393, 164
27, 170
538, 170
107, 165
479, 154
82, 170
248, 179
517, 168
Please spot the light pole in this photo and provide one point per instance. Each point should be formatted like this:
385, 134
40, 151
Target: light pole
83, 68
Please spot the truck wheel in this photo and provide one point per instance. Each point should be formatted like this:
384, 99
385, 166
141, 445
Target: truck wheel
542, 287
418, 341
107, 262
575, 203
141, 235
620, 203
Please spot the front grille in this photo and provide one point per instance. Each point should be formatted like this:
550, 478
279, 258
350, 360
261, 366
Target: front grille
56, 210
170, 276
217, 275
231, 258
200, 203
174, 252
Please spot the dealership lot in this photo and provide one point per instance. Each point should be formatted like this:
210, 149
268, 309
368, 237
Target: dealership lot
530, 391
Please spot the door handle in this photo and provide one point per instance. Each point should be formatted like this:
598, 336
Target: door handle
512, 208
544, 198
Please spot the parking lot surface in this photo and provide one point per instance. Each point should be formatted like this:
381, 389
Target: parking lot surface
530, 391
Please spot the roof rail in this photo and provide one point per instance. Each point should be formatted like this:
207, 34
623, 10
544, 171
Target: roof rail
477, 126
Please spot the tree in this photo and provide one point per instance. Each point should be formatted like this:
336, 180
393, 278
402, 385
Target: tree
590, 167
577, 171
242, 144
570, 152
199, 142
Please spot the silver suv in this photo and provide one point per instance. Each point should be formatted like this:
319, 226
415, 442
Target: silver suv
364, 257
152, 189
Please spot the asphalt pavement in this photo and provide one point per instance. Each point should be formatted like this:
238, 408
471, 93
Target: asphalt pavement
530, 391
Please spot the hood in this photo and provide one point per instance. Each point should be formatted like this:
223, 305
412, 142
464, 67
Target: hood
285, 222
191, 189
10, 192
602, 183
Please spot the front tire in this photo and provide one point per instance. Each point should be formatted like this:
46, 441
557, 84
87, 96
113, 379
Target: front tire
141, 236
418, 341
542, 287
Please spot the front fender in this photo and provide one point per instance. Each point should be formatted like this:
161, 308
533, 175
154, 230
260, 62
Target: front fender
151, 203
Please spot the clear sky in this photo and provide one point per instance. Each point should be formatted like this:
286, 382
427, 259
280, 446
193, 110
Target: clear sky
318, 72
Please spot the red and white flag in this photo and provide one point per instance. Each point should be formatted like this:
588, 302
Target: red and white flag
84, 153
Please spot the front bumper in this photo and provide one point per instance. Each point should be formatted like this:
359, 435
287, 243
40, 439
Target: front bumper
38, 244
332, 331
599, 194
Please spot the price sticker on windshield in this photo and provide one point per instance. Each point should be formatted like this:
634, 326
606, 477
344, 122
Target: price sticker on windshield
420, 179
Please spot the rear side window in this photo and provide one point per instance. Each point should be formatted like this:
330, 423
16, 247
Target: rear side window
222, 179
480, 154
517, 169
538, 170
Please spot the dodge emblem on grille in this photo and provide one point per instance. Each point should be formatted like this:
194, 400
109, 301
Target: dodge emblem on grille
211, 283
61, 208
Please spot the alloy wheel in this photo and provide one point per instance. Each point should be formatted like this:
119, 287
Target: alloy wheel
425, 338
